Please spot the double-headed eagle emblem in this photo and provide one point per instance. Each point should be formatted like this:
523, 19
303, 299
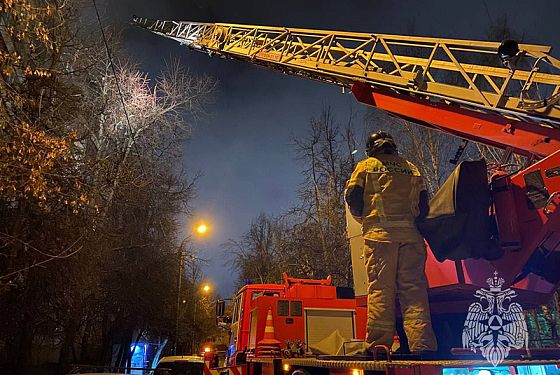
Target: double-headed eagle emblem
493, 328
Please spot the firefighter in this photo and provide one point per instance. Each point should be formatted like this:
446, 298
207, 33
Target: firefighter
386, 194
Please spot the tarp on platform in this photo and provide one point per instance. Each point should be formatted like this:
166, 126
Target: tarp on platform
458, 223
336, 344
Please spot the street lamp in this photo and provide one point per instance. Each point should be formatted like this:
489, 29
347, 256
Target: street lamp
205, 289
201, 229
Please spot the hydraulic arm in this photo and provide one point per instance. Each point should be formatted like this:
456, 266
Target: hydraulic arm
515, 97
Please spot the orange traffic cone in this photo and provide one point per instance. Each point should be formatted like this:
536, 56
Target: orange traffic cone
268, 346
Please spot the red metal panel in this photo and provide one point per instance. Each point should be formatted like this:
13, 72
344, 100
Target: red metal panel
361, 319
339, 371
268, 369
503, 197
400, 371
361, 301
207, 370
494, 130
311, 291
424, 369
535, 224
440, 274
306, 288
430, 370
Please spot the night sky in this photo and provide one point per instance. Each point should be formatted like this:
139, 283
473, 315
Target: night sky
244, 147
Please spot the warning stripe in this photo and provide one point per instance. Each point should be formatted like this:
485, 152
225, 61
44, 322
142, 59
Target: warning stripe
239, 370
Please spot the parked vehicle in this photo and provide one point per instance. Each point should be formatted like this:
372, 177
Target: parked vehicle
181, 365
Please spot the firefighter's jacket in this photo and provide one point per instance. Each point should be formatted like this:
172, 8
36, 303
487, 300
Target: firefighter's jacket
383, 194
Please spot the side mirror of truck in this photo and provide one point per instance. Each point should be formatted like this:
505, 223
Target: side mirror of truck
220, 307
222, 320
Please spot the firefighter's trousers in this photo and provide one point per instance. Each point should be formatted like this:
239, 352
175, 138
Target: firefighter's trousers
397, 269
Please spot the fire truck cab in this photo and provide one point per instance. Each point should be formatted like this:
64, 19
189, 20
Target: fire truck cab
302, 310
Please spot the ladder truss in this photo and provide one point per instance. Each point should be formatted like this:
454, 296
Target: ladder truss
462, 72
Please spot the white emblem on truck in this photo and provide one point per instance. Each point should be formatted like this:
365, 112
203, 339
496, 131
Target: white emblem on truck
493, 328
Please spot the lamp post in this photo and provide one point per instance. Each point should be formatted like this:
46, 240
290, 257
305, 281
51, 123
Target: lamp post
201, 229
179, 283
205, 290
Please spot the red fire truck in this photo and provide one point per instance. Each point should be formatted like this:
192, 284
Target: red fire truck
504, 95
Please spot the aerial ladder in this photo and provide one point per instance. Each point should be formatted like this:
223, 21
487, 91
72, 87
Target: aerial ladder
505, 95
446, 84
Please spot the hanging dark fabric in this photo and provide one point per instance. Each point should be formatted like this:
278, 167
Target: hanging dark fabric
458, 223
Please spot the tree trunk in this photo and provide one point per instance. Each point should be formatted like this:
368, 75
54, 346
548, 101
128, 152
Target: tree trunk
84, 345
108, 339
70, 332
24, 347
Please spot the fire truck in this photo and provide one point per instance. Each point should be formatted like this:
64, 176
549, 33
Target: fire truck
505, 95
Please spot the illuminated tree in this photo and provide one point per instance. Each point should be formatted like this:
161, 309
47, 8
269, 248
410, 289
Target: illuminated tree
35, 153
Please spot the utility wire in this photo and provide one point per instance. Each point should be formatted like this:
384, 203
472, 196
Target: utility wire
118, 87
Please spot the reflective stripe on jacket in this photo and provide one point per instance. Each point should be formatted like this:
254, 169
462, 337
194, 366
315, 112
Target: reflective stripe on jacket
389, 187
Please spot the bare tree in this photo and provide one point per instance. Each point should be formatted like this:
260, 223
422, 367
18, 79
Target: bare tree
327, 156
310, 239
255, 256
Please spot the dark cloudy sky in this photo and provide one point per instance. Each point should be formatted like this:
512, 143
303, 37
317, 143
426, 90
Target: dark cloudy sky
243, 148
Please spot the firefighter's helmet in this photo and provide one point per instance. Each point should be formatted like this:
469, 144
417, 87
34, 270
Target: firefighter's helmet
380, 142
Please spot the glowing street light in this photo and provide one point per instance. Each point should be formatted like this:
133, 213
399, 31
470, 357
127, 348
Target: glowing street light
205, 289
202, 229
